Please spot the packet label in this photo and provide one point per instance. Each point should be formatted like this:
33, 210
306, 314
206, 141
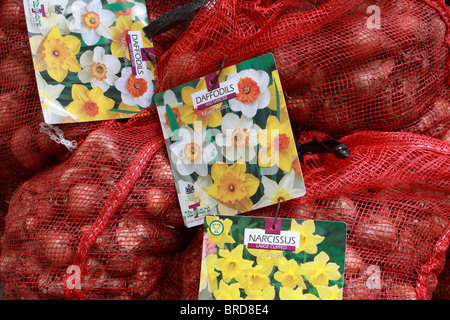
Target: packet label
135, 46
244, 258
211, 96
260, 239
230, 142
89, 59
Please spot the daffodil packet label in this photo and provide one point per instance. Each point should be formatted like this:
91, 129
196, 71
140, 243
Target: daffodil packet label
258, 258
214, 94
91, 58
230, 142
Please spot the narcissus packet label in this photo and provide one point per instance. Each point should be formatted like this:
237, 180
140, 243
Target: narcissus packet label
230, 141
259, 239
92, 60
257, 258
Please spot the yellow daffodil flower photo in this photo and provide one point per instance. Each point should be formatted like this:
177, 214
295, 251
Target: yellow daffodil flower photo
57, 55
246, 266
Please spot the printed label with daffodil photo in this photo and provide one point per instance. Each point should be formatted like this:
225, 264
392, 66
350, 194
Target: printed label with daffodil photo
230, 141
258, 258
92, 60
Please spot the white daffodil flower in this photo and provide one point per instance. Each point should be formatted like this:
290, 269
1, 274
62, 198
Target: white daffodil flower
91, 21
53, 111
138, 12
169, 99
239, 137
99, 69
253, 91
135, 91
192, 153
274, 192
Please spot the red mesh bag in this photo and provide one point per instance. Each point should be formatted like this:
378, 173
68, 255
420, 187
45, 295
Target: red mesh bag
443, 289
111, 210
24, 149
181, 278
394, 194
339, 76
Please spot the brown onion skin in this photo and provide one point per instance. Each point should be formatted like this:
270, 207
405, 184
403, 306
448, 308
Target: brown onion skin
57, 247
121, 263
354, 264
379, 233
50, 284
24, 153
99, 146
7, 114
83, 200
156, 201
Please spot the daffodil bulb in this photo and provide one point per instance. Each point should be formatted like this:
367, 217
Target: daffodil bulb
238, 138
91, 21
253, 91
135, 91
99, 69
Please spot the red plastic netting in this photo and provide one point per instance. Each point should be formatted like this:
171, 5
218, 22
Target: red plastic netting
394, 194
24, 149
111, 210
443, 289
339, 75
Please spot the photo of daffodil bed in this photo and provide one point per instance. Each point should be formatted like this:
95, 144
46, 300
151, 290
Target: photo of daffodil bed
234, 156
232, 271
82, 60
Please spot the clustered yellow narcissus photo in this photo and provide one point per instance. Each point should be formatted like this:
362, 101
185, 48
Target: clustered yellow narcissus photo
229, 274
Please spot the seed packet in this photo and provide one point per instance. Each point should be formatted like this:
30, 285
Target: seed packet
258, 258
230, 141
92, 60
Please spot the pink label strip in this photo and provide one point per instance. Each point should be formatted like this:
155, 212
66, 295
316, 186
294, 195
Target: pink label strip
270, 247
216, 101
130, 49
